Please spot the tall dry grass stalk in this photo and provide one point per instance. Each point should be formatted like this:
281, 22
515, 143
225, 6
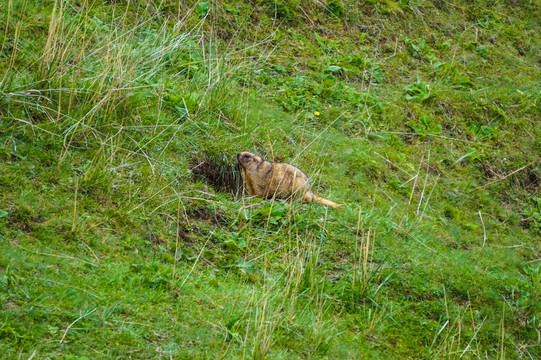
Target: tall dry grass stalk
92, 68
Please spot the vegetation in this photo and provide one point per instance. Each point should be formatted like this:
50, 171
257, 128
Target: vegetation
124, 231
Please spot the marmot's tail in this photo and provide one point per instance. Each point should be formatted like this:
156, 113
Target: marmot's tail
326, 202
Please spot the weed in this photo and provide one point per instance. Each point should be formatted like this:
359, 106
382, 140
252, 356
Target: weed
418, 92
202, 8
425, 125
335, 8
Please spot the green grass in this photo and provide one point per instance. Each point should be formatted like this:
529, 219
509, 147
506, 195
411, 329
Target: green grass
124, 233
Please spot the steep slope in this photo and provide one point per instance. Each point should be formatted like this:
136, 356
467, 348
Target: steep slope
124, 231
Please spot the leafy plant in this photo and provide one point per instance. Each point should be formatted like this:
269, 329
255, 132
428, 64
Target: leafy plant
483, 132
234, 242
283, 9
425, 125
357, 65
202, 8
418, 48
418, 92
483, 51
335, 7
232, 9
271, 212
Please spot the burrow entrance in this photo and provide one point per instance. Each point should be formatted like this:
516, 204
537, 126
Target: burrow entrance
219, 171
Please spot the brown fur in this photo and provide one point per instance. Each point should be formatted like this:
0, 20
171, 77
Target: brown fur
267, 180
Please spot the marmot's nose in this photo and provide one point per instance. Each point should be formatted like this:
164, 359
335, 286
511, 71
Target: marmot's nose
238, 157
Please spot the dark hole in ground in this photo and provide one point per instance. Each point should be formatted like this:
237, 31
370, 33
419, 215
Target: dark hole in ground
532, 180
220, 171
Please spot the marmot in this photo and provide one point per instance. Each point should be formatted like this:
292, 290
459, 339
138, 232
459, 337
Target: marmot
267, 179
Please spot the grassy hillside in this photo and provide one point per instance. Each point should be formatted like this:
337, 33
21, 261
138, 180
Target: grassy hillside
124, 230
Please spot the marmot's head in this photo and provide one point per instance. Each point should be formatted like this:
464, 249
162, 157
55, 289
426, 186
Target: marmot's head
248, 160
